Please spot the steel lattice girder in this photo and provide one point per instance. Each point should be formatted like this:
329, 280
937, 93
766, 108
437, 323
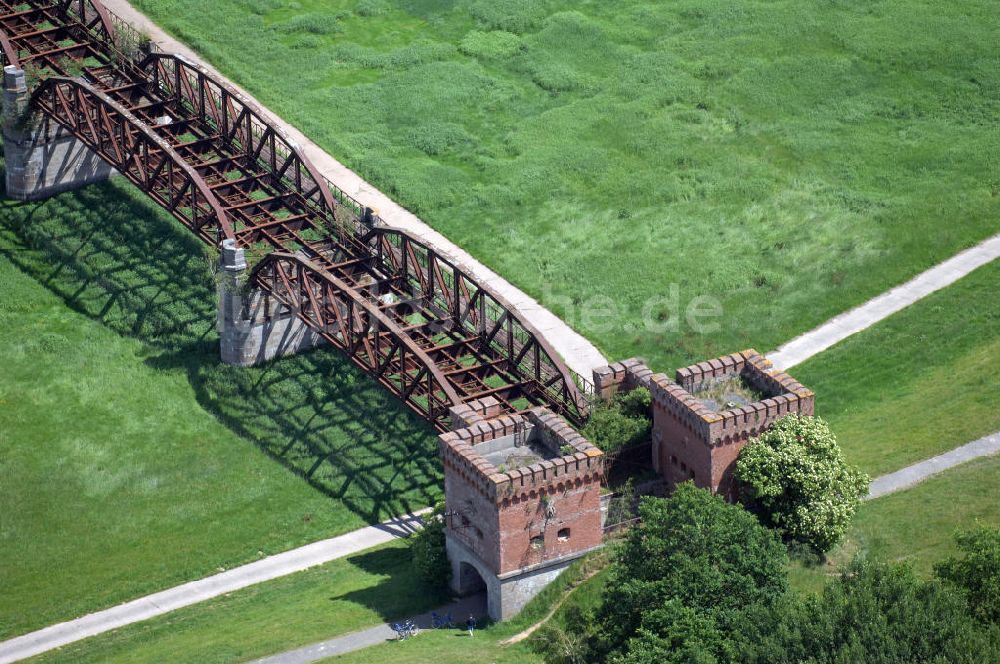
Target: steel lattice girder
413, 319
83, 20
502, 332
355, 325
237, 123
136, 152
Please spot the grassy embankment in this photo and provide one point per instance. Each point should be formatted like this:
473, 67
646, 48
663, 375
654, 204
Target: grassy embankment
916, 526
319, 604
340, 597
919, 383
132, 459
788, 160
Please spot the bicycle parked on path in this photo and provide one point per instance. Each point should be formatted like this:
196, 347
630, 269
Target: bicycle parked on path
405, 629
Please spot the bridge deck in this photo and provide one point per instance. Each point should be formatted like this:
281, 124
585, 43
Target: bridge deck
424, 328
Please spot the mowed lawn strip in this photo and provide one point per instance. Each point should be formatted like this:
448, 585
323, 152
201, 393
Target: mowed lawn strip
786, 160
916, 526
337, 598
919, 383
579, 587
131, 459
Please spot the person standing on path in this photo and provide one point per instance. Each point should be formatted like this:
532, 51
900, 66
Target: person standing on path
470, 625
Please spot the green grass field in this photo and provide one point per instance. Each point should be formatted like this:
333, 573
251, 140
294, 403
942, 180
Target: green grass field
919, 383
788, 160
916, 526
132, 460
320, 603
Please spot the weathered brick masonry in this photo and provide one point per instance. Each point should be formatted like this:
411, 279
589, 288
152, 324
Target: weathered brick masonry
518, 527
692, 441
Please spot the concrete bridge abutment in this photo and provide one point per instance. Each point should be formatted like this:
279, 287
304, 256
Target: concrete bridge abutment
252, 327
42, 158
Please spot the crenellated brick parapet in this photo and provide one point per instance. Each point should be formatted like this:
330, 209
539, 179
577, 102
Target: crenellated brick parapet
573, 457
522, 492
671, 398
474, 412
621, 376
696, 442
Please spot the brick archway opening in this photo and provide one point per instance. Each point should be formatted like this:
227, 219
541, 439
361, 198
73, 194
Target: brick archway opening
470, 581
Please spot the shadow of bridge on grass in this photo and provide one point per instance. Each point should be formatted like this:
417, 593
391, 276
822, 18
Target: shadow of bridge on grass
400, 593
116, 258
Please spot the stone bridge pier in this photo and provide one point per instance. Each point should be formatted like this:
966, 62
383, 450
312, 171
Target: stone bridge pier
252, 327
42, 159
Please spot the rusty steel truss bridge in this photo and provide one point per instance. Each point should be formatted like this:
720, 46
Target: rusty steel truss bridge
408, 316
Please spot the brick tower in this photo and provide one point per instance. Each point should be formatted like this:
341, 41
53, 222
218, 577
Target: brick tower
703, 418
523, 502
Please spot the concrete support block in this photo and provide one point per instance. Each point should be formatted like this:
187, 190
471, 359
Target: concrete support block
42, 159
253, 330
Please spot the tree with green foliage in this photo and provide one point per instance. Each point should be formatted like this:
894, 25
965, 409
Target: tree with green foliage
430, 557
674, 634
679, 575
626, 420
977, 573
795, 475
873, 612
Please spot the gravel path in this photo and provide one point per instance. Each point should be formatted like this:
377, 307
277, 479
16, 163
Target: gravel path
187, 594
801, 348
321, 552
580, 355
460, 610
918, 472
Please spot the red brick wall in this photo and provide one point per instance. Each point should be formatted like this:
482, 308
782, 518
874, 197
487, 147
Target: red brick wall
473, 517
691, 439
682, 453
497, 514
574, 504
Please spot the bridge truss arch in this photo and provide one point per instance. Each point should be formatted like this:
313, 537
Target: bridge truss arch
355, 324
136, 152
414, 319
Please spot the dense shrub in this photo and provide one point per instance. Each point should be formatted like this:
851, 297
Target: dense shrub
557, 77
977, 573
694, 560
371, 8
429, 555
310, 23
517, 16
261, 7
702, 581
417, 53
625, 421
796, 477
873, 612
435, 138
